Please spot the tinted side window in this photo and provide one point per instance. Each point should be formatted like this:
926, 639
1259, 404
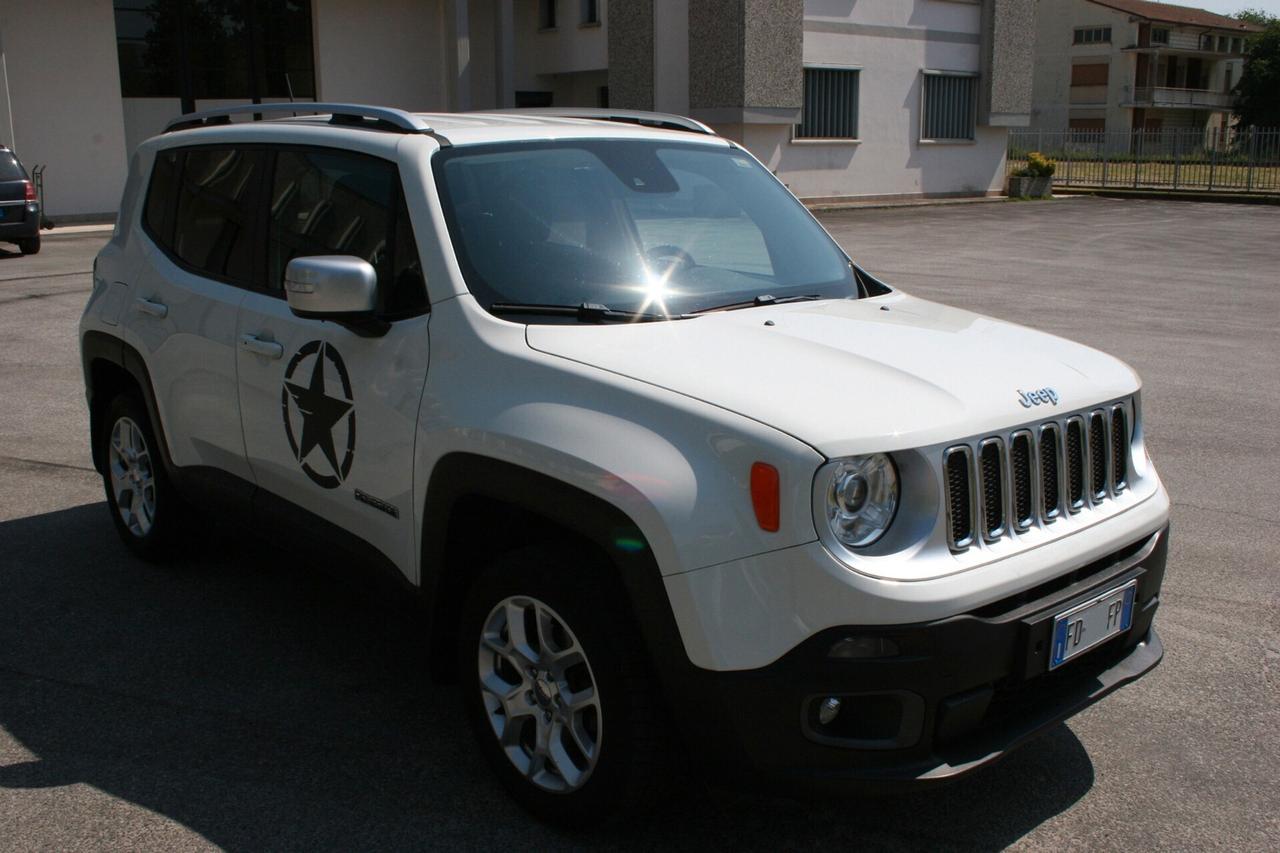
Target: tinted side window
10, 168
342, 203
213, 226
158, 216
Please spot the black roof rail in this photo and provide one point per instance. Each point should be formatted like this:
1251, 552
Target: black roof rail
385, 118
665, 121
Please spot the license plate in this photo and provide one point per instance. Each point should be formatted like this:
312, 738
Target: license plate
1096, 621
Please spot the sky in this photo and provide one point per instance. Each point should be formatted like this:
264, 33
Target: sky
1230, 7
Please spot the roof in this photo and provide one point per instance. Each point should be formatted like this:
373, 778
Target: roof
1186, 15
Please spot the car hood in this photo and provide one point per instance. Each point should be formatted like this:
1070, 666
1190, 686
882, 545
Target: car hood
853, 376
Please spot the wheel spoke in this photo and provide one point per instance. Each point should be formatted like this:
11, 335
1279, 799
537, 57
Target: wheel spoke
561, 760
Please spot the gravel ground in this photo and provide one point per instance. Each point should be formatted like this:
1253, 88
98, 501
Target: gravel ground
244, 700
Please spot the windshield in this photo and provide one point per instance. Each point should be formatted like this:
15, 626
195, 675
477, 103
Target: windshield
657, 228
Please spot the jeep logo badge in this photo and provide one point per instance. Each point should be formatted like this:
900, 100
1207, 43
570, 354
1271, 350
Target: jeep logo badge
1039, 397
315, 411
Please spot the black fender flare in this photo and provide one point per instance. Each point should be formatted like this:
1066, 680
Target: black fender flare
98, 346
564, 508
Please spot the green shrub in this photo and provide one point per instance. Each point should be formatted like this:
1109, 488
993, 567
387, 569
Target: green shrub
1038, 166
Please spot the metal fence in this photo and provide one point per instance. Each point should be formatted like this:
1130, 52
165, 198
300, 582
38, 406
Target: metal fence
1236, 160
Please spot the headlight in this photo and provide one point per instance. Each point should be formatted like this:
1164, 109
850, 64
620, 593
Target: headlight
862, 497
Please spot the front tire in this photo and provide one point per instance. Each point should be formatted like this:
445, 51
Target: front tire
146, 510
558, 691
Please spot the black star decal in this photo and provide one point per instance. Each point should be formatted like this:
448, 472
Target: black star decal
319, 413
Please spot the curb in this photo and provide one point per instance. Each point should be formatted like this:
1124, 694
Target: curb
1227, 197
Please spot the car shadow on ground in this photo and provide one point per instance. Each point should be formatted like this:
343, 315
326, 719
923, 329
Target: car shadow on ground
262, 703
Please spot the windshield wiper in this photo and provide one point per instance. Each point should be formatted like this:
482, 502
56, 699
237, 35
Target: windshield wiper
762, 299
587, 312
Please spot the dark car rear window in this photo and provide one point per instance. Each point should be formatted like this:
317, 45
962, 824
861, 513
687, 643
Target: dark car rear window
10, 168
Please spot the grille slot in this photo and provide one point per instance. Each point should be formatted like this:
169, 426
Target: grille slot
991, 487
1020, 477
1050, 483
1075, 463
1119, 448
1098, 438
958, 464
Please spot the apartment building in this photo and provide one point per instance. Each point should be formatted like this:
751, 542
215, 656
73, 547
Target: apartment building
843, 99
1121, 65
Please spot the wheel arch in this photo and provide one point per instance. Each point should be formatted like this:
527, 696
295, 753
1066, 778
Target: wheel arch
469, 494
112, 367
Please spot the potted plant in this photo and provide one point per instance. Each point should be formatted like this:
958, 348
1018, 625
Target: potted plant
1035, 179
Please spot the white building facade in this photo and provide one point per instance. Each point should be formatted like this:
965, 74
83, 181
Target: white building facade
1131, 65
843, 100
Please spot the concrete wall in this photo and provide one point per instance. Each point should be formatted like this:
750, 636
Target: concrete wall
671, 52
631, 54
63, 89
1053, 103
397, 57
570, 61
892, 42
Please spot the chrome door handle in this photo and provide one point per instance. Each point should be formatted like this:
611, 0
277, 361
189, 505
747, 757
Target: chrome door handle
152, 307
257, 346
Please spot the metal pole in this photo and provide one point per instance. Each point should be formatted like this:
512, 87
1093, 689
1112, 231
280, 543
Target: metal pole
1138, 156
1105, 155
1177, 156
1213, 159
1253, 153
4, 66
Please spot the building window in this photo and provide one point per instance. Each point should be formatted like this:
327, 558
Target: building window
1159, 35
950, 106
590, 12
1090, 75
830, 104
1092, 35
209, 49
547, 14
1206, 42
1236, 45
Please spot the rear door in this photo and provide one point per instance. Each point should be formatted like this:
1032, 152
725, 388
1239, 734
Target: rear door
185, 294
329, 413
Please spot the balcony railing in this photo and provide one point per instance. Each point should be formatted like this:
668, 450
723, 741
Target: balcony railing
1163, 96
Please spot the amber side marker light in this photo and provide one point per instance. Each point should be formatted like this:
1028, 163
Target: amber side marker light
765, 497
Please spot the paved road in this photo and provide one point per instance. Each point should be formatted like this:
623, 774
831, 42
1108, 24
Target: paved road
245, 700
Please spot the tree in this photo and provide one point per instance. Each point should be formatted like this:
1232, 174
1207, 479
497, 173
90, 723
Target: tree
1258, 92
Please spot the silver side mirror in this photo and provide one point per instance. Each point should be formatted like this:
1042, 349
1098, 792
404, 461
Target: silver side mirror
333, 286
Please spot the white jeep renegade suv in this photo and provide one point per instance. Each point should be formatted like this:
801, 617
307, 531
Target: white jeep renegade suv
662, 465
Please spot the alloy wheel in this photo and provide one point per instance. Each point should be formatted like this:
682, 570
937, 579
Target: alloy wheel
540, 694
133, 481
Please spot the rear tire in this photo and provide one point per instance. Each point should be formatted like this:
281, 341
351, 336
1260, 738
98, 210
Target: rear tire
29, 245
564, 707
147, 511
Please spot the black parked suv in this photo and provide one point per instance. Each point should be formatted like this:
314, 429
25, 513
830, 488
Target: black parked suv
19, 208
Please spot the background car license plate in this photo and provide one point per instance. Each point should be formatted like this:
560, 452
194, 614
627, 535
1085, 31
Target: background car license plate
1097, 620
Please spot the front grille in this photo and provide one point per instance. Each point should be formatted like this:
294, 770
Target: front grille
1006, 483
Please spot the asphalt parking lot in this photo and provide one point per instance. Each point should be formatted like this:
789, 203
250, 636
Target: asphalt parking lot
247, 701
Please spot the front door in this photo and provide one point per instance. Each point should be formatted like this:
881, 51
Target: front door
330, 412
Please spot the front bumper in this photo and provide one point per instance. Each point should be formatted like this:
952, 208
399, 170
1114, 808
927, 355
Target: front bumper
961, 693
